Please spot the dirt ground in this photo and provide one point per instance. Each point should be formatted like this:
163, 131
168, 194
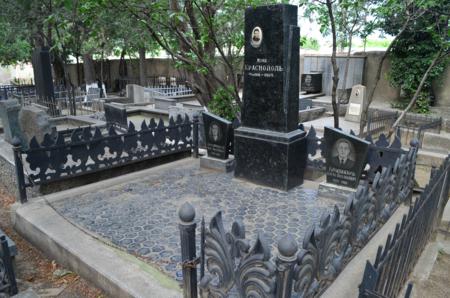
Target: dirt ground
438, 284
34, 270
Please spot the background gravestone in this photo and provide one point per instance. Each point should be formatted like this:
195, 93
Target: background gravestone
116, 115
305, 104
34, 123
358, 100
346, 157
311, 82
217, 134
269, 148
9, 113
135, 93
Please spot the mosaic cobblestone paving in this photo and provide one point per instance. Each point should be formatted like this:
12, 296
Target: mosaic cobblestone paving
142, 218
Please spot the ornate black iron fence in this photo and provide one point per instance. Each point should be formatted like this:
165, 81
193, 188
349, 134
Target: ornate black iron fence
231, 266
8, 283
394, 263
91, 150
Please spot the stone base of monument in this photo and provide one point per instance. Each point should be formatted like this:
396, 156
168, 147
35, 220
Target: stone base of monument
333, 191
270, 158
221, 165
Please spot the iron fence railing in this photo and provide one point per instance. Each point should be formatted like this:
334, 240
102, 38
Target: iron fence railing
8, 284
6, 91
396, 260
230, 265
162, 81
414, 126
157, 91
90, 150
380, 121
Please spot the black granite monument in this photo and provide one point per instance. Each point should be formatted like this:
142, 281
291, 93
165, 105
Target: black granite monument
115, 115
311, 82
42, 70
269, 149
217, 134
346, 157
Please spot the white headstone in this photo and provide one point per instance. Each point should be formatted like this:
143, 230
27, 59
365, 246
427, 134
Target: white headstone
136, 93
356, 104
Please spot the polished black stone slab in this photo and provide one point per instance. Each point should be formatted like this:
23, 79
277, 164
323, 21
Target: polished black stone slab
116, 115
346, 157
218, 135
311, 82
270, 158
271, 68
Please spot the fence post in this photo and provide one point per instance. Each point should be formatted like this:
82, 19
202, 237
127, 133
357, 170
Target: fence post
195, 135
17, 148
9, 270
189, 261
286, 259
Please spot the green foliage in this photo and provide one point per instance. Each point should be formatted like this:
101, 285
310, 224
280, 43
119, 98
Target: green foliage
309, 43
422, 105
415, 49
377, 43
223, 104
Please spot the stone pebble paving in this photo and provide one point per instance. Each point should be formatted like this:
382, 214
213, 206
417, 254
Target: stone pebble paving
142, 216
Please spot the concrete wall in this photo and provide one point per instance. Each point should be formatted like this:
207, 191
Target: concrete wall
384, 93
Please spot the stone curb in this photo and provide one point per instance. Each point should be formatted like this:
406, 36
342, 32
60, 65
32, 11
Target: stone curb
114, 271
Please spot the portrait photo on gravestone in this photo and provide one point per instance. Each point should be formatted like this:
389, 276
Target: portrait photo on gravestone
218, 135
346, 157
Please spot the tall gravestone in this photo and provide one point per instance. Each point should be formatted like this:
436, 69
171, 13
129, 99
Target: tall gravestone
269, 149
42, 70
357, 103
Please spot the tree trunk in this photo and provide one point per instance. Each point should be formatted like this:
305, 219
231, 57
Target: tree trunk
347, 64
78, 70
89, 70
334, 102
142, 66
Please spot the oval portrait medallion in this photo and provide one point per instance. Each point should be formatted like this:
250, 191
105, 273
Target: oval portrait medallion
257, 37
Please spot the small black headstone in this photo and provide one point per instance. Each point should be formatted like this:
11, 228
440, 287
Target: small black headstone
311, 82
217, 133
346, 157
116, 115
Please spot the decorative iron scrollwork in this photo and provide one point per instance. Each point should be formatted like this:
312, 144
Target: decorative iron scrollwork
232, 264
85, 152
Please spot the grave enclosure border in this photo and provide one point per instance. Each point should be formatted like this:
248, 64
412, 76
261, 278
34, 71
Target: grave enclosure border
89, 151
230, 263
395, 261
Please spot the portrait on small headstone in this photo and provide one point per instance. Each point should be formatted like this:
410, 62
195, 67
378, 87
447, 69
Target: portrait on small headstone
215, 134
257, 37
346, 157
308, 80
343, 154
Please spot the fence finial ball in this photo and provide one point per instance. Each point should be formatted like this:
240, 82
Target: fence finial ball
16, 142
414, 142
186, 212
287, 246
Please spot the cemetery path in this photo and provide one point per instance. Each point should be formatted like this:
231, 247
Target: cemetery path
140, 216
34, 271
